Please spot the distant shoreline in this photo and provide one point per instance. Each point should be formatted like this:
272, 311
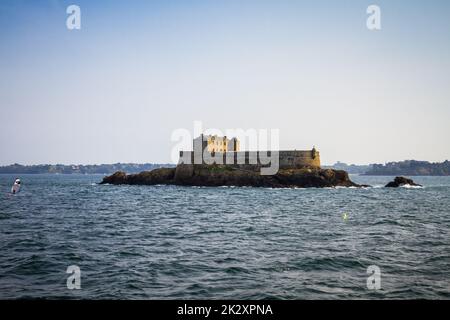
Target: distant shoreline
402, 168
81, 169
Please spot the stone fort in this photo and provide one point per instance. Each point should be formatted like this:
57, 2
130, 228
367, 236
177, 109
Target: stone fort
221, 150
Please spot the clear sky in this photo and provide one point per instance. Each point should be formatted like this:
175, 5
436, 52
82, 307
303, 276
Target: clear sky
115, 90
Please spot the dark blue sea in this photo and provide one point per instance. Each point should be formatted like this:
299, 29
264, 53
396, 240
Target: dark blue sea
166, 242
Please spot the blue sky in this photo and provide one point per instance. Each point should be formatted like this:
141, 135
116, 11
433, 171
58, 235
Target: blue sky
115, 90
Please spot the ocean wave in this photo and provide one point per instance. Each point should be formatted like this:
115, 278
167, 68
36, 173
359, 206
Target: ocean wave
408, 186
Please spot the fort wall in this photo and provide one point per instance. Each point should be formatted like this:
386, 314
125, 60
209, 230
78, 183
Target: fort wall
293, 159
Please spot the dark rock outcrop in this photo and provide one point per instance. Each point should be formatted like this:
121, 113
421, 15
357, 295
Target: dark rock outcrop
401, 181
118, 177
223, 175
157, 176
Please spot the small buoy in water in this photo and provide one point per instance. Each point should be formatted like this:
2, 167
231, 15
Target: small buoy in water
16, 186
345, 216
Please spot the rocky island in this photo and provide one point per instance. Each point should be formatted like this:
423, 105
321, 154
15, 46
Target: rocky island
402, 181
216, 161
223, 175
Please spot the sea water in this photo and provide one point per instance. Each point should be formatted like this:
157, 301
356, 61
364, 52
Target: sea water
163, 242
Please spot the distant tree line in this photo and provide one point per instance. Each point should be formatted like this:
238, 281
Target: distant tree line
350, 168
410, 168
404, 168
81, 169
